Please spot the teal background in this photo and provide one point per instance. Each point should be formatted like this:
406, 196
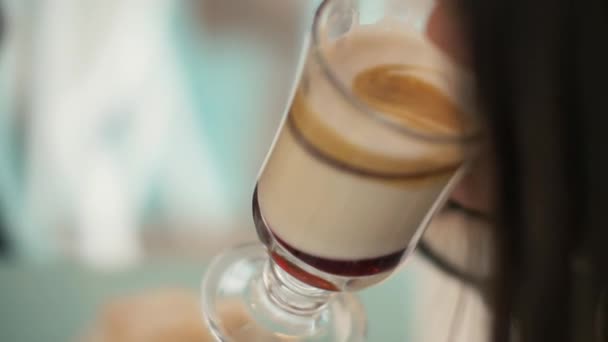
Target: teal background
56, 304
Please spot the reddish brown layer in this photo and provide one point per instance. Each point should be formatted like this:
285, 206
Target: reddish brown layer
350, 268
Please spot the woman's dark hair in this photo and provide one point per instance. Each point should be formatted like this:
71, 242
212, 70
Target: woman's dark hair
542, 69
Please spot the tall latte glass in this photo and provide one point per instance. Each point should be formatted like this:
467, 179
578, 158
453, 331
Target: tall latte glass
378, 130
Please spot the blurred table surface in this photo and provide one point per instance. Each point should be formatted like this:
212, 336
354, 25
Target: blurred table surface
59, 302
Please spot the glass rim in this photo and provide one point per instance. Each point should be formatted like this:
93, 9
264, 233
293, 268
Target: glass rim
345, 91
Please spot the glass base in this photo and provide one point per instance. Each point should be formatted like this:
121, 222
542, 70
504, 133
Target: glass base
247, 297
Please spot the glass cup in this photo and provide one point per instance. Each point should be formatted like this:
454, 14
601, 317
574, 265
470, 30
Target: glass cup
379, 128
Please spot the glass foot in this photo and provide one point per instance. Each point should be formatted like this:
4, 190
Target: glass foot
246, 297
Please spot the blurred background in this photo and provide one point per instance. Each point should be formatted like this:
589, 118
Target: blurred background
131, 134
136, 128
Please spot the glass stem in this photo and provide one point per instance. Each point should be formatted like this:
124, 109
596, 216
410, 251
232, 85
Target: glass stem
292, 295
285, 305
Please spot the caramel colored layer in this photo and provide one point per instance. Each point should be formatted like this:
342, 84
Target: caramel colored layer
410, 101
394, 91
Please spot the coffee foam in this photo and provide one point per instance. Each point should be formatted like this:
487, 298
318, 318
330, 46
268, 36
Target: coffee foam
402, 62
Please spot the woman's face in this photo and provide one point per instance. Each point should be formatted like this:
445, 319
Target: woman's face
475, 192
